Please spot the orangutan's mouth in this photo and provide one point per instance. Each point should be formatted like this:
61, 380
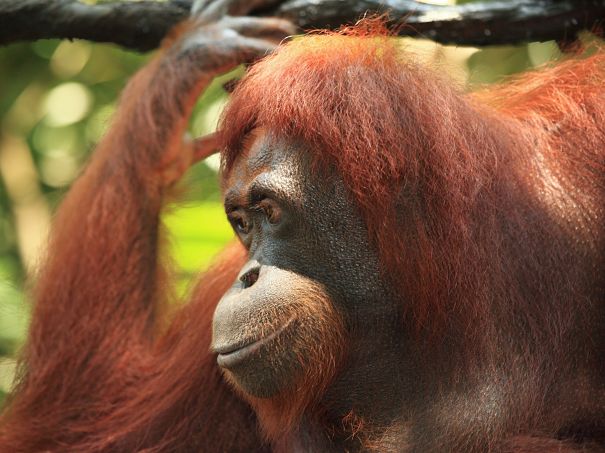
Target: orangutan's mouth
231, 356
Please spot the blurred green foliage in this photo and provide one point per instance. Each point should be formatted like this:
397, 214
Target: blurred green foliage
57, 100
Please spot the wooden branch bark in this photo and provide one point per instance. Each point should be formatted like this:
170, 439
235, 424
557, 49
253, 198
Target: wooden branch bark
141, 25
474, 24
134, 25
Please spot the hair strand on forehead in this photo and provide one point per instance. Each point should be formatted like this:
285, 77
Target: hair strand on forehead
430, 168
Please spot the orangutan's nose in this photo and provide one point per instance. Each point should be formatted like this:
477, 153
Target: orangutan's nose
249, 274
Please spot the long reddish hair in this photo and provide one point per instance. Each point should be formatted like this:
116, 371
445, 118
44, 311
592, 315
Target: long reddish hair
448, 185
483, 208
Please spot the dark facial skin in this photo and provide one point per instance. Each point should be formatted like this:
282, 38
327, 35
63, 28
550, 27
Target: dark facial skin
310, 314
309, 262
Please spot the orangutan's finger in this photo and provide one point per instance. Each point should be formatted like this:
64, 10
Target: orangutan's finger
270, 28
198, 6
204, 147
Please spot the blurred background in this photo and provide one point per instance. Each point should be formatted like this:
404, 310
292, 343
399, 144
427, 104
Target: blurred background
56, 101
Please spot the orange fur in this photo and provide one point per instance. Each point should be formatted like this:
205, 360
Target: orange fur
463, 196
432, 170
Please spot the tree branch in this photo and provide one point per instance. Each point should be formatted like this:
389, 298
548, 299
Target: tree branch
134, 25
474, 24
141, 25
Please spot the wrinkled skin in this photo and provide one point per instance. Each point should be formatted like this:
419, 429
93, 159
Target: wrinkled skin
306, 242
95, 360
309, 259
301, 232
308, 328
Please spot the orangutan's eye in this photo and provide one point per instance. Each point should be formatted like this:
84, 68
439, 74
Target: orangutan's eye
271, 209
240, 223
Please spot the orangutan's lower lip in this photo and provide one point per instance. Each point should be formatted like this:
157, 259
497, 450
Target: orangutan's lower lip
232, 358
229, 357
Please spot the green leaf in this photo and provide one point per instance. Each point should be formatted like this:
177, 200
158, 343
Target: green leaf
14, 317
197, 233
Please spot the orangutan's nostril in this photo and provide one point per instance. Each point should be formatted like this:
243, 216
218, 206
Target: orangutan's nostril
250, 277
